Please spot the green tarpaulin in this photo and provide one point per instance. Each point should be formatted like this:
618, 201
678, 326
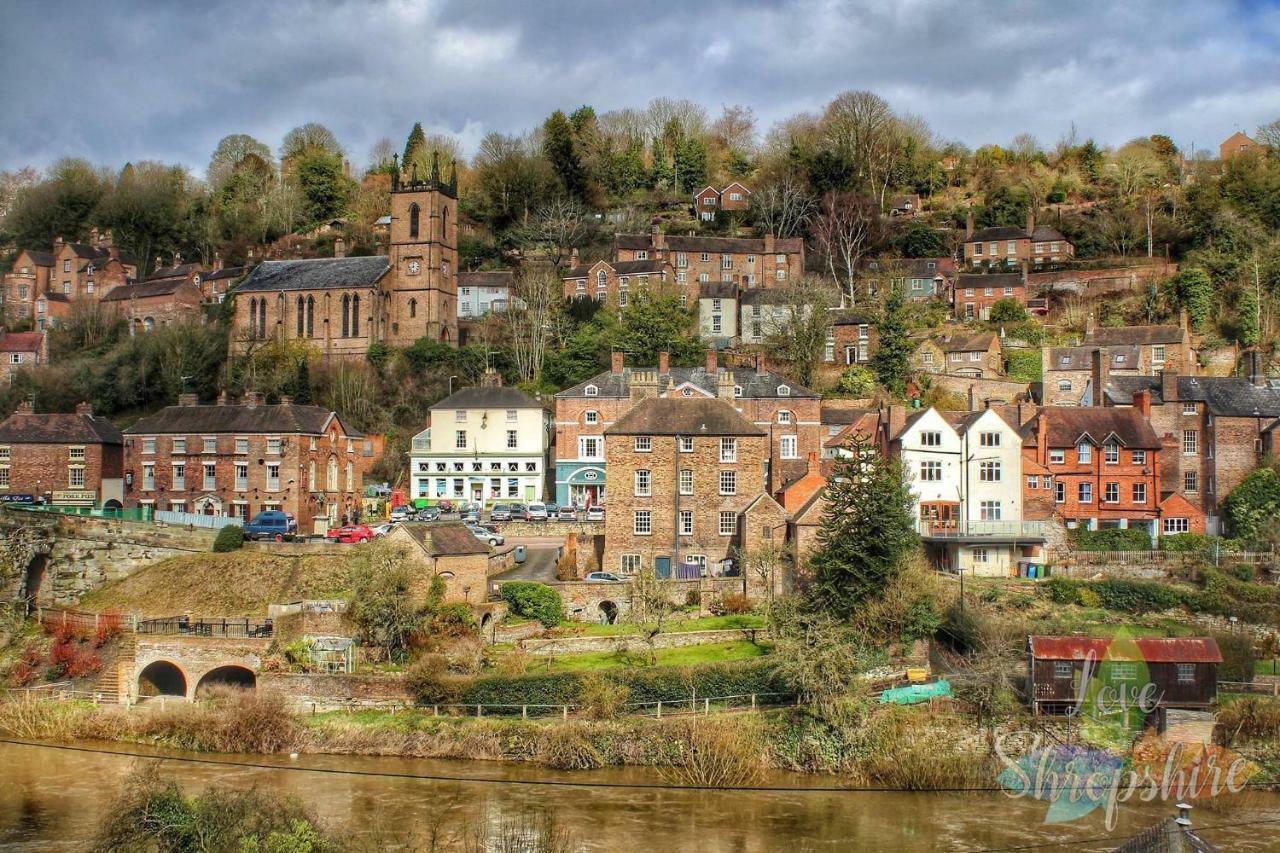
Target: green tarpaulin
914, 693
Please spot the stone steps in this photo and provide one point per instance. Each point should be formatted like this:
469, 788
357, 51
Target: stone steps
112, 684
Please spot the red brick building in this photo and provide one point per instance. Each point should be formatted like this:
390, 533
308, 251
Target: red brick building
1237, 143
146, 305
709, 201
61, 458
616, 282
1159, 347
237, 460
745, 261
1010, 246
21, 351
974, 295
24, 283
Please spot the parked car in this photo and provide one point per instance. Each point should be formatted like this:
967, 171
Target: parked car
271, 525
471, 515
519, 512
402, 513
500, 512
469, 506
384, 528
428, 513
567, 513
350, 533
494, 539
595, 513
608, 577
537, 511
487, 525
445, 505
553, 509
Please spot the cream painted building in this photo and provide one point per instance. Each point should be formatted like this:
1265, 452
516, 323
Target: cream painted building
486, 444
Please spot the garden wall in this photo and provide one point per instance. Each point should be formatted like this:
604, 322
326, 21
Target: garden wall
320, 692
570, 645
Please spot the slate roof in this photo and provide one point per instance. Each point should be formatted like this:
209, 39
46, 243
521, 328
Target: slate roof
714, 245
1044, 233
144, 289
966, 342
1231, 396
1000, 232
753, 384
276, 419
1120, 389
225, 272
485, 278
1068, 425
83, 250
316, 274
998, 279
851, 317
914, 267
55, 297
40, 259
718, 290
446, 540
683, 416
479, 397
1081, 358
1134, 335
764, 296
652, 267
58, 428
173, 272
21, 341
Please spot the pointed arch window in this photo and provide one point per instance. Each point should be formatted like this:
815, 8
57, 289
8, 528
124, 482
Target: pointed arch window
444, 223
414, 211
253, 318
355, 316
302, 316
262, 318
346, 316
311, 316
413, 308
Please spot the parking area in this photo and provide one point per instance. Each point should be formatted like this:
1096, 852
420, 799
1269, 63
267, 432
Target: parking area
541, 555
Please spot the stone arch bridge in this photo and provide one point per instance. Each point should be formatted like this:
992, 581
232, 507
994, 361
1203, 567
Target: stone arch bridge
182, 665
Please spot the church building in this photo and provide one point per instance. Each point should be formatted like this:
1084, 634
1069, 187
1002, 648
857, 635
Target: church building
343, 305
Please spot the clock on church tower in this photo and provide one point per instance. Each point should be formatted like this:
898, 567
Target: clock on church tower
420, 288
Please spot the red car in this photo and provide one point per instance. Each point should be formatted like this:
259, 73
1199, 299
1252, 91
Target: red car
350, 533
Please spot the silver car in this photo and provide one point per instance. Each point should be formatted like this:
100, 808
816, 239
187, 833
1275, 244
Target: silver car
494, 539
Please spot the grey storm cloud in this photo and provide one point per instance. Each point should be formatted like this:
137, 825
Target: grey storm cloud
117, 81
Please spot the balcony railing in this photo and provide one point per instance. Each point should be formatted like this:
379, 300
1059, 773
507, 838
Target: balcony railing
981, 529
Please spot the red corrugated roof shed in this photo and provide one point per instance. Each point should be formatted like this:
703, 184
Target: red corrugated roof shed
1149, 649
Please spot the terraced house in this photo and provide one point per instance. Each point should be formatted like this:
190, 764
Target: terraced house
237, 460
61, 458
745, 261
1011, 246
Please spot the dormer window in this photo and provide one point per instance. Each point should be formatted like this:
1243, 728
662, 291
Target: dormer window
591, 391
784, 391
737, 390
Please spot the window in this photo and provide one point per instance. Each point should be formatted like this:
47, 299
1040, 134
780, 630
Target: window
686, 481
273, 477
513, 439
930, 439
592, 417
1111, 493
728, 523
1188, 408
642, 524
1190, 482
148, 445
1064, 385
75, 477
728, 450
981, 555
1157, 356
728, 482
273, 446
210, 445
1085, 495
1139, 457
644, 483
1190, 442
1033, 481
1111, 454
784, 417
784, 391
989, 439
642, 255
77, 454
460, 439
686, 522
1139, 493
210, 476
643, 443
66, 266
512, 416
1057, 456
1062, 669
179, 445
1123, 671
1084, 453
179, 478
4, 478
990, 510
686, 444
726, 262
682, 259
1186, 673
1060, 492
630, 563
242, 477
989, 472
591, 391
590, 447
930, 471
148, 477
716, 325
787, 447
780, 275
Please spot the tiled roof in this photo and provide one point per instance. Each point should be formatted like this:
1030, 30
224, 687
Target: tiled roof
713, 245
194, 420
1068, 425
485, 278
316, 274
683, 416
446, 540
83, 250
58, 428
651, 267
225, 272
999, 279
1134, 335
21, 341
173, 272
753, 384
1081, 358
1001, 232
966, 342
913, 267
144, 289
718, 290
479, 397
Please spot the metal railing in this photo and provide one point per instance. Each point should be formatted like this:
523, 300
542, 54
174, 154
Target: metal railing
960, 529
144, 514
207, 627
1158, 556
1260, 688
195, 519
675, 707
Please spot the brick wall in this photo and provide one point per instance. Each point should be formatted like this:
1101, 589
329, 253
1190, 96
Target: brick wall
38, 469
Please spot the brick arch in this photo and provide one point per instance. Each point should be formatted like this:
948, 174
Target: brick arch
164, 677
234, 674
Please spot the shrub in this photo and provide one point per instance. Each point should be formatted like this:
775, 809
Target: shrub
229, 538
1135, 596
1111, 539
1088, 598
1249, 718
1250, 504
716, 753
603, 699
1008, 310
733, 604
1242, 571
429, 680
1237, 657
1063, 590
856, 381
534, 601
960, 630
22, 674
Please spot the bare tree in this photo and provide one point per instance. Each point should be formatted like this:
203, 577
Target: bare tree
766, 562
534, 317
650, 608
1269, 135
735, 130
1119, 225
381, 153
781, 207
556, 228
862, 127
801, 326
692, 117
841, 231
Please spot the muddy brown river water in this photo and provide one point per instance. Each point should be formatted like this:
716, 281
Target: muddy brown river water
53, 799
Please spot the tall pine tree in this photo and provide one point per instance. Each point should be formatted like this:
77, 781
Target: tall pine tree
866, 529
417, 139
891, 361
559, 149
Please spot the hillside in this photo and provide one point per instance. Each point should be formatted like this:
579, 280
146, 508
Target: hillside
242, 583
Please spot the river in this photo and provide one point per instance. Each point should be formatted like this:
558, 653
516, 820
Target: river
52, 799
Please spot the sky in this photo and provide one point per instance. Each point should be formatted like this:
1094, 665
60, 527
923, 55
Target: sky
126, 80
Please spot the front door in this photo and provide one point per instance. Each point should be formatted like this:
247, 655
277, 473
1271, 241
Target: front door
662, 566
477, 492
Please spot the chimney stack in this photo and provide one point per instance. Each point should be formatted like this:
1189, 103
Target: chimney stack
251, 399
177, 259
26, 407
159, 264
57, 241
1042, 436
1257, 376
664, 363
814, 466
491, 378
713, 362
656, 237
644, 385
1142, 402
968, 225
724, 386
93, 237
573, 257
973, 397
222, 398
758, 360
1169, 385
1100, 372
897, 420
286, 400
187, 400
1184, 322
217, 261
769, 243
339, 247
84, 408
619, 360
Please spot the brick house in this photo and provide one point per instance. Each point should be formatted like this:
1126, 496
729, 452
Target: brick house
974, 355
216, 283
240, 459
62, 459
788, 414
24, 283
853, 339
920, 279
709, 201
450, 551
42, 285
342, 305
746, 261
682, 470
145, 305
974, 294
21, 351
1159, 347
907, 206
615, 282
1237, 143
1010, 246
1078, 376
1104, 464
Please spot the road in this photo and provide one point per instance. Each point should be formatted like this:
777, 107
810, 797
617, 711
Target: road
542, 553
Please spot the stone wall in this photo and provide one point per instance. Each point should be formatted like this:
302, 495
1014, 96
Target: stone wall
583, 600
317, 692
1098, 282
996, 390
557, 529
195, 657
569, 645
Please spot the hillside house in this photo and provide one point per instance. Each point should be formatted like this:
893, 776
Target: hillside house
1159, 347
1010, 246
1237, 143
616, 282
973, 296
746, 261
973, 355
709, 201
21, 351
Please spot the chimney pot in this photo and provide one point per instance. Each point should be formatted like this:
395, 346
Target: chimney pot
252, 398
26, 407
188, 399
286, 400
84, 408
1257, 377
619, 360
222, 398
339, 247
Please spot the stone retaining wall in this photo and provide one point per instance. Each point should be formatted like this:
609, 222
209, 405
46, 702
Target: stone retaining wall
558, 529
584, 601
570, 645
317, 692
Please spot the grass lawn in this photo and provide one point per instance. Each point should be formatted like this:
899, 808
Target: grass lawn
708, 623
638, 655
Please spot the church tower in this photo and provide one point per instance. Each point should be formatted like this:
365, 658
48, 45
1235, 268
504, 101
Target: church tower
420, 291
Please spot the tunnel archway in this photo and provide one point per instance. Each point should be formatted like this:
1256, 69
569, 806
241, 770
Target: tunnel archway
162, 678
608, 613
231, 675
34, 578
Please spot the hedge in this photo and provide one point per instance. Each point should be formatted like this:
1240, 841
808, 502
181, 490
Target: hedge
1220, 595
534, 601
229, 538
1111, 539
644, 684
